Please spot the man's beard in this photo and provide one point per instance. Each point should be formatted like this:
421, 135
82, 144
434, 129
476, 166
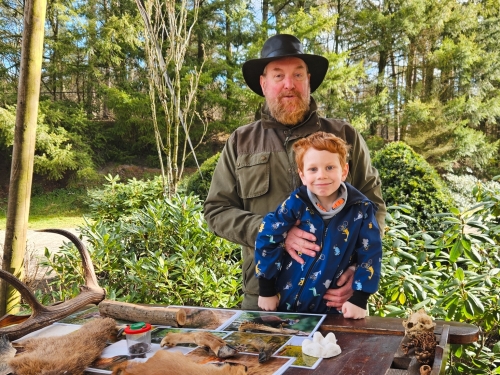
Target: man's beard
283, 114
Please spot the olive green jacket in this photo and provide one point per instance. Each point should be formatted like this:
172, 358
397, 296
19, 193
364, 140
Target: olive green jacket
256, 172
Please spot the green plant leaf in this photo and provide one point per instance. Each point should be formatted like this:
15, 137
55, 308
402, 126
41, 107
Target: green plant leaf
456, 251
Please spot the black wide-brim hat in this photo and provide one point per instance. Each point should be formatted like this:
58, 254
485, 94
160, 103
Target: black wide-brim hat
277, 47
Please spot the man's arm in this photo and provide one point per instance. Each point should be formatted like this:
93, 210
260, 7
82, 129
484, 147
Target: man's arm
223, 208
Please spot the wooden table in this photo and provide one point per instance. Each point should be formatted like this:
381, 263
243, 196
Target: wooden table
371, 346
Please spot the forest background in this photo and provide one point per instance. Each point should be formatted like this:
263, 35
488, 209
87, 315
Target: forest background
422, 71
419, 79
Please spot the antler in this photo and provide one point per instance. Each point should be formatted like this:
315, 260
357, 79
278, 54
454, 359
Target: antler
43, 316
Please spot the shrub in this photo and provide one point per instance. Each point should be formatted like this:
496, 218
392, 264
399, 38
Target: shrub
374, 143
407, 179
200, 185
454, 275
462, 188
116, 200
163, 253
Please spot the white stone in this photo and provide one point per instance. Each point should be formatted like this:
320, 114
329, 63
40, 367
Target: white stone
321, 347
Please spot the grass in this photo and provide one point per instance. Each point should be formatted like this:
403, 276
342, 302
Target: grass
62, 208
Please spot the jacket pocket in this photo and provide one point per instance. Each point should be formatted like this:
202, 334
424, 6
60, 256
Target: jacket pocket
252, 172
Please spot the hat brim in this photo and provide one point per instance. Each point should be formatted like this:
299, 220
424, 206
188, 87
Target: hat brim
253, 69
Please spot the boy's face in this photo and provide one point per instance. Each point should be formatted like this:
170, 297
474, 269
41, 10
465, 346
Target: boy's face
322, 172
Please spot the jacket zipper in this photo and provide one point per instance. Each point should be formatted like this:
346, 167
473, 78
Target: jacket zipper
325, 230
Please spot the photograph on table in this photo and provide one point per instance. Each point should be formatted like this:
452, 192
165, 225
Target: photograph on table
118, 353
296, 324
274, 366
83, 316
50, 331
104, 365
293, 348
159, 333
207, 318
263, 344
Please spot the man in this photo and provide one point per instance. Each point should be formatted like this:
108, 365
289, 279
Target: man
256, 170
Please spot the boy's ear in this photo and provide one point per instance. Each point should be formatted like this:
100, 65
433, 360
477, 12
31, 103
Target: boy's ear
301, 175
345, 171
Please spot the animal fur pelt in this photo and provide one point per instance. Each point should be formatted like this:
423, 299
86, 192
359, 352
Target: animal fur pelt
6, 353
68, 354
176, 363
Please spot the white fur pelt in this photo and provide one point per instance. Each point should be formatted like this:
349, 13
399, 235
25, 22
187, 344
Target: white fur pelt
68, 354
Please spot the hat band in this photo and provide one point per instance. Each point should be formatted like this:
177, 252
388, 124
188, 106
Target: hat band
283, 52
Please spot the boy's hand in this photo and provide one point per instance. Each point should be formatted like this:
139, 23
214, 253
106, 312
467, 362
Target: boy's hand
352, 311
268, 303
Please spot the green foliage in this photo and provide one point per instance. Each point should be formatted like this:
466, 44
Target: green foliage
161, 253
439, 133
199, 185
454, 275
117, 201
59, 150
408, 180
374, 143
130, 136
463, 188
7, 122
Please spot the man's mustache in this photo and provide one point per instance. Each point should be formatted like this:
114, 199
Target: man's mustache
289, 93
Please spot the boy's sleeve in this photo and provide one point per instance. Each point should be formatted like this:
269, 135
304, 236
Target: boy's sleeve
271, 236
369, 258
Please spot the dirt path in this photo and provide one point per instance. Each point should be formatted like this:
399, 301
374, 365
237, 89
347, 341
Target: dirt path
36, 243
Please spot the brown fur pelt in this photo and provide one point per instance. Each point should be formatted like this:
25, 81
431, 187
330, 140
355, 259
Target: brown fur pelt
68, 354
176, 363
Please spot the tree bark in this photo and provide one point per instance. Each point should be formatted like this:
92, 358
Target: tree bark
139, 313
21, 174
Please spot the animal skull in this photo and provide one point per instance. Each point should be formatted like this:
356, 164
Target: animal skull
418, 322
419, 329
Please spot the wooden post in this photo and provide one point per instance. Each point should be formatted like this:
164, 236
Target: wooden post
21, 175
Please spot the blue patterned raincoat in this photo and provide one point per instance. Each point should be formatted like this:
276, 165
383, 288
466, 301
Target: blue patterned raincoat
351, 236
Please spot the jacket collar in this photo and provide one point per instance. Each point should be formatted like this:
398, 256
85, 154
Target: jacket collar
353, 195
310, 125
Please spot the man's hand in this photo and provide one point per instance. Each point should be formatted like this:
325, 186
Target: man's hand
299, 241
337, 297
268, 303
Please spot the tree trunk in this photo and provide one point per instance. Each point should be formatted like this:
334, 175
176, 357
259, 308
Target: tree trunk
382, 63
265, 13
21, 175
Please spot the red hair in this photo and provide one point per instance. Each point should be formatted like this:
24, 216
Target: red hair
321, 141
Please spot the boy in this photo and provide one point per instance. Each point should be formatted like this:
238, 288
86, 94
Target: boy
342, 219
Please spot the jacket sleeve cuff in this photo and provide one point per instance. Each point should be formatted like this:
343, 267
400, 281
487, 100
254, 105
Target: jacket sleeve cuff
267, 288
359, 298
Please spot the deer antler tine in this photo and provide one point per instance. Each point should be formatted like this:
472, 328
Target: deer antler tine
23, 290
43, 316
88, 267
